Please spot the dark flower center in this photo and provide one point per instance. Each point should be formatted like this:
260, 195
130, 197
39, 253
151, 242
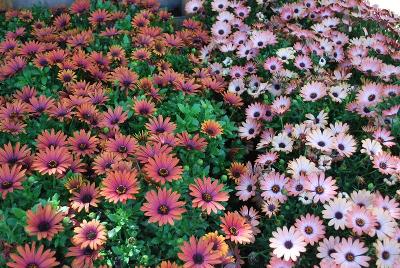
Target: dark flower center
271, 207
378, 226
87, 251
321, 143
282, 145
350, 257
6, 185
360, 222
341, 147
260, 43
221, 32
299, 187
385, 255
163, 172
308, 230
319, 190
198, 258
338, 215
256, 114
83, 146
302, 65
91, 235
206, 197
335, 94
163, 210
251, 130
44, 226
86, 198
275, 188
288, 244
382, 165
52, 164
121, 189
331, 251
160, 130
249, 188
236, 174
371, 97
233, 230
122, 149
32, 265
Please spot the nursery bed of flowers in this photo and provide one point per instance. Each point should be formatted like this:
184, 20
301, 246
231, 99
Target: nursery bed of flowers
253, 134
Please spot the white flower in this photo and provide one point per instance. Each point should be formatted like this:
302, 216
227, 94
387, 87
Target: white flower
227, 61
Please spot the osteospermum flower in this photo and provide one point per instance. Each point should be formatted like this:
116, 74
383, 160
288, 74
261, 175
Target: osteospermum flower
236, 228
90, 234
246, 187
208, 195
272, 186
218, 243
311, 227
211, 128
163, 206
350, 253
335, 211
11, 178
163, 168
198, 253
120, 186
52, 161
287, 243
325, 249
313, 91
45, 222
360, 220
320, 188
387, 252
159, 125
30, 256
88, 196
83, 257
82, 143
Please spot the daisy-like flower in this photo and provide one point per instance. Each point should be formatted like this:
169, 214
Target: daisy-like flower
249, 129
287, 243
387, 252
350, 254
11, 178
281, 105
311, 227
163, 168
279, 263
236, 228
270, 207
344, 144
208, 195
83, 257
211, 128
88, 196
261, 39
385, 224
385, 163
30, 256
144, 107
362, 198
82, 143
51, 138
119, 186
319, 188
360, 220
246, 187
295, 186
163, 206
221, 29
282, 143
325, 249
387, 204
45, 222
335, 211
159, 125
218, 242
198, 253
370, 147
273, 185
301, 167
53, 160
313, 91
321, 140
236, 170
90, 234
121, 145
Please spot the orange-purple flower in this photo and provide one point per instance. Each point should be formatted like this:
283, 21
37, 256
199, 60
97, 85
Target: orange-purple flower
198, 253
52, 161
45, 222
11, 178
163, 206
211, 128
236, 228
82, 143
30, 256
163, 168
90, 234
88, 196
159, 125
120, 186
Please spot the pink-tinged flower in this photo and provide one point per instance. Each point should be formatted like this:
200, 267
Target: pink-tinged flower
273, 64
385, 226
360, 220
370, 94
191, 143
52, 161
313, 91
159, 125
287, 243
301, 166
249, 129
82, 143
163, 206
272, 186
112, 118
193, 6
163, 168
121, 145
221, 29
30, 256
104, 162
144, 107
320, 189
246, 187
83, 257
236, 228
145, 152
387, 252
344, 144
386, 163
350, 254
11, 178
13, 155
51, 138
198, 254
279, 263
45, 222
281, 105
86, 197
90, 234
303, 62
335, 211
261, 39
384, 137
325, 249
387, 204
208, 195
120, 186
311, 227
80, 6
295, 186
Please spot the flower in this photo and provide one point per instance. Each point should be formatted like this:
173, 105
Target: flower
272, 186
218, 242
208, 195
335, 211
119, 186
198, 253
387, 252
319, 188
325, 249
163, 206
311, 227
360, 220
236, 228
163, 168
45, 222
11, 178
350, 253
246, 187
83, 257
287, 243
211, 128
53, 160
159, 125
90, 234
82, 143
86, 197
30, 256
